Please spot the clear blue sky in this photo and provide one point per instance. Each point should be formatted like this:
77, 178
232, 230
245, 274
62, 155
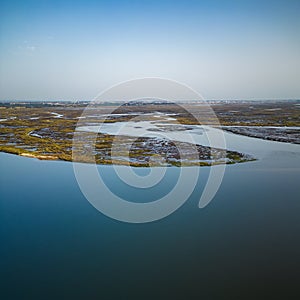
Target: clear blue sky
223, 49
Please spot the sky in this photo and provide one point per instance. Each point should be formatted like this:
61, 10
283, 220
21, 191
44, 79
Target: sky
72, 50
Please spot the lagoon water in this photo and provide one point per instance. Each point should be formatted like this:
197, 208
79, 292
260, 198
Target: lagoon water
243, 245
196, 134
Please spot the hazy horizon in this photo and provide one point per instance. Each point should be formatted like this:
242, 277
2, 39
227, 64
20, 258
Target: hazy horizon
120, 100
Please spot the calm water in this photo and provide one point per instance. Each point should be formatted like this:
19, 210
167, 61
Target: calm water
197, 134
243, 245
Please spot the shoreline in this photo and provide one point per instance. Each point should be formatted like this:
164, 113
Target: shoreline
257, 135
126, 163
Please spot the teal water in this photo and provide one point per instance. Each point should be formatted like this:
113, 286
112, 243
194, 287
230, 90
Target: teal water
243, 245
